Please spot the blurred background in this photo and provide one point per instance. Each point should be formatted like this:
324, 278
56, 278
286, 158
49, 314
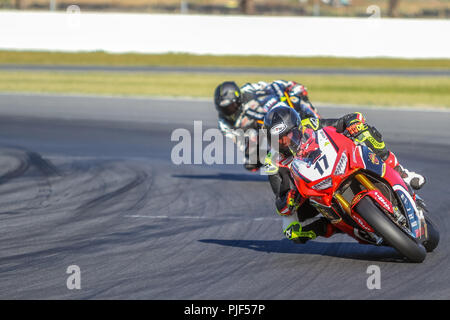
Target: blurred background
341, 8
184, 48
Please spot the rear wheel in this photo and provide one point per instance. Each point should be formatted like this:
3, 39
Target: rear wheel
387, 229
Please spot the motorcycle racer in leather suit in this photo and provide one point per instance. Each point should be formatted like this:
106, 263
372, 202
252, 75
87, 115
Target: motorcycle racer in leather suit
244, 108
295, 139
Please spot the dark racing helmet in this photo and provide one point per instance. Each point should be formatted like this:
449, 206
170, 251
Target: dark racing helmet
284, 124
227, 99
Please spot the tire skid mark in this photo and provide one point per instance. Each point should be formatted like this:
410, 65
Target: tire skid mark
55, 195
111, 195
27, 161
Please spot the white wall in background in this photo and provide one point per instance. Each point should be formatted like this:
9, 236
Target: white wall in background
290, 36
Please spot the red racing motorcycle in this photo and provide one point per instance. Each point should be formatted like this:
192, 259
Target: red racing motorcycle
362, 196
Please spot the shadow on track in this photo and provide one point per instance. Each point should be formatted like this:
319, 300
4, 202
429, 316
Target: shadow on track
224, 176
346, 250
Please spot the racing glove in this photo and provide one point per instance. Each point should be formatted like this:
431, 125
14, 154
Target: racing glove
355, 127
296, 89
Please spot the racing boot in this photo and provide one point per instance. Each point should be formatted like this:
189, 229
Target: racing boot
319, 228
413, 179
252, 167
295, 233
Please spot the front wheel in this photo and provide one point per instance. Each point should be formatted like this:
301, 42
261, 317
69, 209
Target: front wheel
433, 235
387, 229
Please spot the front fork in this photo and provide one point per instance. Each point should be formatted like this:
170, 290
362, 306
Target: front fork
344, 203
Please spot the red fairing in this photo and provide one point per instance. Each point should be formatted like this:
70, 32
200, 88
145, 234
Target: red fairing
356, 161
332, 180
382, 201
346, 145
391, 160
361, 222
393, 177
376, 195
310, 144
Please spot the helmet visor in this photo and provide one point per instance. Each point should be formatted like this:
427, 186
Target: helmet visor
290, 141
229, 107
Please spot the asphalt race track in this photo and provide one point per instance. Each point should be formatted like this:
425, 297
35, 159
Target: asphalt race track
89, 181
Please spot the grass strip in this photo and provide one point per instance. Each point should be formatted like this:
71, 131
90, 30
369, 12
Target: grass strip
131, 59
362, 90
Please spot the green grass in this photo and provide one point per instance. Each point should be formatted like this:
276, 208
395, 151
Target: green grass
102, 58
366, 90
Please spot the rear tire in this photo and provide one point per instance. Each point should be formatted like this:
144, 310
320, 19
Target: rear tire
387, 229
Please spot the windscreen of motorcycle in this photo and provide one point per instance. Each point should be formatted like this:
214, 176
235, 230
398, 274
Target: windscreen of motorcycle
319, 166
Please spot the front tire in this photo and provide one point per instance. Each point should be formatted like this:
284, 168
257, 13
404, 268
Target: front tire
433, 235
387, 229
